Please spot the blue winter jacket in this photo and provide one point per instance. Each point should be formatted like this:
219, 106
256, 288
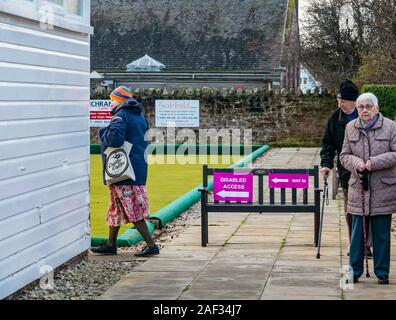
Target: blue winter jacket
130, 124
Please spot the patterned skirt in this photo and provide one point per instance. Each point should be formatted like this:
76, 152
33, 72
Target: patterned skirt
128, 204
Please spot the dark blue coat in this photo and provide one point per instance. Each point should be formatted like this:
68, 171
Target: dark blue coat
130, 124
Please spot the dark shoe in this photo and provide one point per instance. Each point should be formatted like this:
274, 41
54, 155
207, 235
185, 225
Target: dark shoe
348, 254
369, 253
383, 280
105, 250
148, 251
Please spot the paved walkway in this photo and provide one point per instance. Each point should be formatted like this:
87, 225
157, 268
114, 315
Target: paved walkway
253, 256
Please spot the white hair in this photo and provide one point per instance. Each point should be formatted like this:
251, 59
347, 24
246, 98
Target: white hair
367, 97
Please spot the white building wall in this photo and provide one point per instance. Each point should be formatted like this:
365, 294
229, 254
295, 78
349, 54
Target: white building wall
44, 145
307, 81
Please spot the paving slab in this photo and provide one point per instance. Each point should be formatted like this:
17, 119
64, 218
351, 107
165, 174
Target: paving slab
298, 297
329, 279
295, 291
256, 239
148, 286
155, 265
220, 295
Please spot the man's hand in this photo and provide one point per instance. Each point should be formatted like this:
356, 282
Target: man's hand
325, 171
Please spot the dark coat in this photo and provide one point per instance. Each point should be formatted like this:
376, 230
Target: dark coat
332, 141
130, 124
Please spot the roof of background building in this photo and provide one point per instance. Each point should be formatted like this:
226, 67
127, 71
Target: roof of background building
145, 63
195, 34
95, 75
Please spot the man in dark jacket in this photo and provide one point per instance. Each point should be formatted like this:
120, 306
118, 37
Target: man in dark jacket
333, 138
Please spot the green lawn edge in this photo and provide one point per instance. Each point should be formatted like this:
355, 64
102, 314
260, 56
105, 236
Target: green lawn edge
168, 213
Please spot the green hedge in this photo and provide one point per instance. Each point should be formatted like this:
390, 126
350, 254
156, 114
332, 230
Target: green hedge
386, 95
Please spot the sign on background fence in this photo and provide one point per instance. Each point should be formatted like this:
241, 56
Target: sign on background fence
177, 113
99, 113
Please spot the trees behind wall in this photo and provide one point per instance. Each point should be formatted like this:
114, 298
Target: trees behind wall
353, 39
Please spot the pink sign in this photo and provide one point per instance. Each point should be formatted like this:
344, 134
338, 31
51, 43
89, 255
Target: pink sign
288, 180
233, 186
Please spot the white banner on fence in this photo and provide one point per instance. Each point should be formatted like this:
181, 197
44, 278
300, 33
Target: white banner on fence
177, 113
99, 113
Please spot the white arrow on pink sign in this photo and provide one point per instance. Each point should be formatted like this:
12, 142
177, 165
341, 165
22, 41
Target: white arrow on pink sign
288, 180
233, 186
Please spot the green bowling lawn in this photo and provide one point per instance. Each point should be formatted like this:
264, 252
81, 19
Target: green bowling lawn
165, 183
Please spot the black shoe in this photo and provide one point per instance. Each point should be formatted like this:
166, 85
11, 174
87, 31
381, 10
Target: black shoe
369, 253
105, 250
383, 280
148, 251
348, 254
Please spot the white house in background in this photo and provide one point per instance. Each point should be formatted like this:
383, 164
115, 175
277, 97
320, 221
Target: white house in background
44, 137
145, 64
307, 81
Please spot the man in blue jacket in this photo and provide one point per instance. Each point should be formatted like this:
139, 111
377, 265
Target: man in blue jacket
128, 198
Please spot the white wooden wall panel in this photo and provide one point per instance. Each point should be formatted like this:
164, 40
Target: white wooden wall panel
65, 254
28, 238
58, 208
32, 74
19, 279
42, 40
34, 217
31, 128
19, 223
39, 57
35, 271
19, 185
30, 164
23, 147
44, 148
41, 250
18, 110
16, 91
39, 198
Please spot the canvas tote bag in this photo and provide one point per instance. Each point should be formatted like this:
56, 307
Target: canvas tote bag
118, 166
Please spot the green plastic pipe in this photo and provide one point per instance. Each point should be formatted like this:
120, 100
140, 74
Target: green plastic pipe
175, 208
128, 238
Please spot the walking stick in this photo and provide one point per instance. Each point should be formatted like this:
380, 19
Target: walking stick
364, 181
325, 199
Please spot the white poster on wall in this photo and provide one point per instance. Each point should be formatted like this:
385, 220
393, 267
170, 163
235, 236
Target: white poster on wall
100, 113
177, 113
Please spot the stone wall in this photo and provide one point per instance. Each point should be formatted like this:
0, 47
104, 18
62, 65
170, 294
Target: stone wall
275, 118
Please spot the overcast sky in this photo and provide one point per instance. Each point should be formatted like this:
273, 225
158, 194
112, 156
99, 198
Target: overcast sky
303, 4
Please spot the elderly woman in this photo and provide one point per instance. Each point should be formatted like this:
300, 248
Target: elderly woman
369, 152
128, 198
